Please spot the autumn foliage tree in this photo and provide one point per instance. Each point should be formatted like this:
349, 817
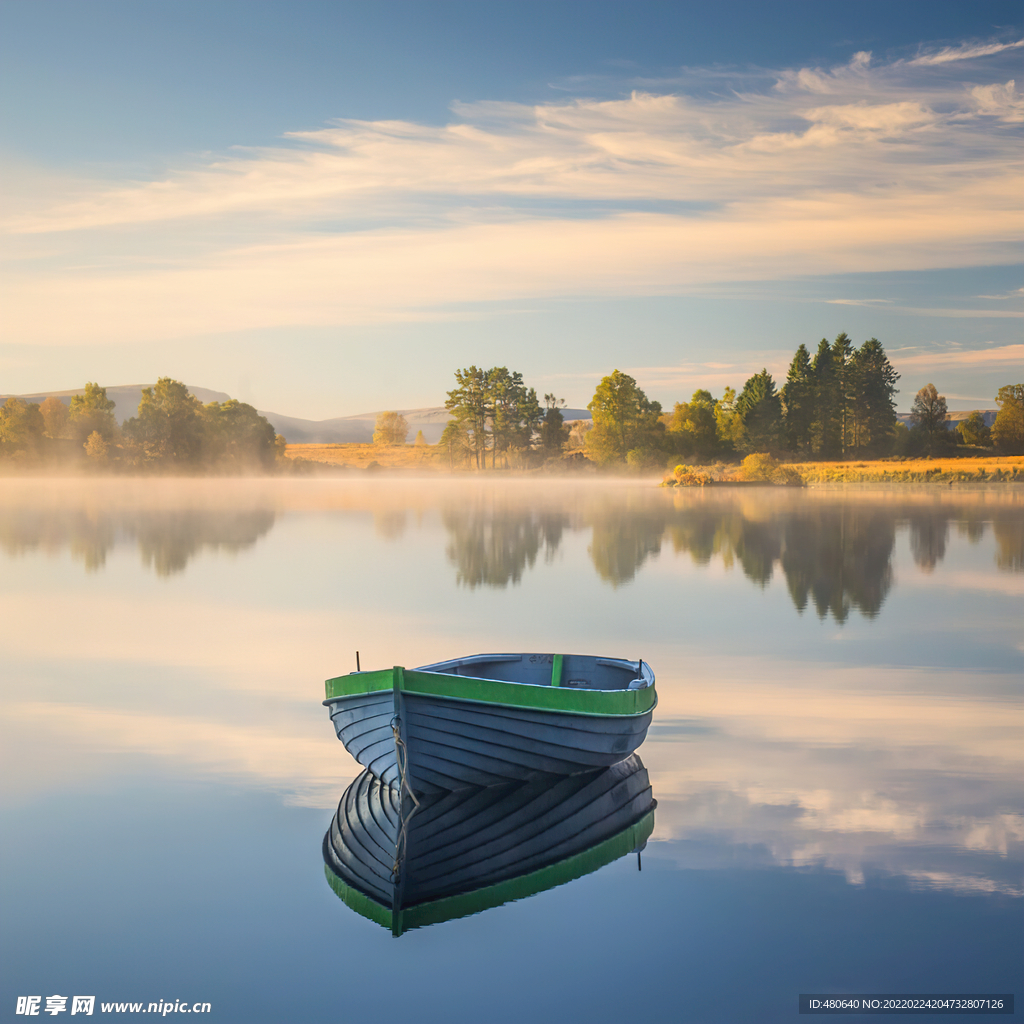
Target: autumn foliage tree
391, 428
92, 411
625, 419
21, 428
235, 436
973, 430
1008, 429
168, 424
928, 417
55, 417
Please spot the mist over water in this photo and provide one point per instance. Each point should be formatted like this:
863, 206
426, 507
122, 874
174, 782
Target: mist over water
838, 737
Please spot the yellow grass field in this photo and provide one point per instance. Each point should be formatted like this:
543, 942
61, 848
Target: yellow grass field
980, 469
969, 469
361, 456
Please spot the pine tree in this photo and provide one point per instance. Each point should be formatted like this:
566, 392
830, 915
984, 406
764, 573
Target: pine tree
760, 408
469, 404
873, 410
825, 426
798, 401
844, 375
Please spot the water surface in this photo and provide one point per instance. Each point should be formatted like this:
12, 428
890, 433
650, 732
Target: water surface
836, 754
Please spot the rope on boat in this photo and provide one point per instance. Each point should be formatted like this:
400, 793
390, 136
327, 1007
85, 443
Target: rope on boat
402, 758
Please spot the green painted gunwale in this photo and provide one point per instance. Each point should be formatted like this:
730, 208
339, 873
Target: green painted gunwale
448, 908
601, 703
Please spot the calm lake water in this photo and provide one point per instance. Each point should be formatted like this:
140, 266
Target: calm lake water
836, 755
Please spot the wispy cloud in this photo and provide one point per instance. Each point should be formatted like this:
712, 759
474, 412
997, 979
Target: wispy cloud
966, 51
1001, 355
930, 310
1014, 293
860, 167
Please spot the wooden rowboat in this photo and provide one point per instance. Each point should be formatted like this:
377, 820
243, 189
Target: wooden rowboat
491, 719
465, 851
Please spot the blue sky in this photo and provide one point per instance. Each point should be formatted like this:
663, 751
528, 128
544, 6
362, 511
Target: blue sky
325, 208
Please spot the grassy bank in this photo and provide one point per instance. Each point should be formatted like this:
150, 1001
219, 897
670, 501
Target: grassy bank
981, 469
969, 469
362, 456
964, 469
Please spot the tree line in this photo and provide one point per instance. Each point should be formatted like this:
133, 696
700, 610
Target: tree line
171, 430
837, 404
494, 412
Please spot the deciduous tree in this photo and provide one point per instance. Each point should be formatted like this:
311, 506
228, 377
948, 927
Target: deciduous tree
21, 427
693, 427
929, 418
55, 417
91, 411
391, 428
96, 448
168, 426
236, 436
1008, 429
624, 419
973, 430
728, 422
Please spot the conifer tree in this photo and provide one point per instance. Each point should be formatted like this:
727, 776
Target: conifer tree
845, 385
798, 401
873, 410
760, 408
825, 427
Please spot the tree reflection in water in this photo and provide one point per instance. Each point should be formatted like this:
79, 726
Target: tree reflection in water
835, 551
491, 541
625, 534
1009, 535
167, 539
928, 536
834, 548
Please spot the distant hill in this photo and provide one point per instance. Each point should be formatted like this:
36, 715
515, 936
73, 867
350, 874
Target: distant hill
126, 397
339, 430
359, 428
953, 418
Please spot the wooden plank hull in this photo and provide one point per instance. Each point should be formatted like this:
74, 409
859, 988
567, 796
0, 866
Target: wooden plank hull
465, 732
467, 850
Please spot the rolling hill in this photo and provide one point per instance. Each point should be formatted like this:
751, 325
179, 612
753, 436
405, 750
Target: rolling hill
338, 430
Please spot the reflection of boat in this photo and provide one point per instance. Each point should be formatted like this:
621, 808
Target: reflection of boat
467, 851
493, 718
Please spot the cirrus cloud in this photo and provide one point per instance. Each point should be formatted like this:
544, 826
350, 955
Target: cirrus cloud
905, 167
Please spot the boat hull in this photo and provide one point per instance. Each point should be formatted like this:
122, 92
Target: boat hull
467, 732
